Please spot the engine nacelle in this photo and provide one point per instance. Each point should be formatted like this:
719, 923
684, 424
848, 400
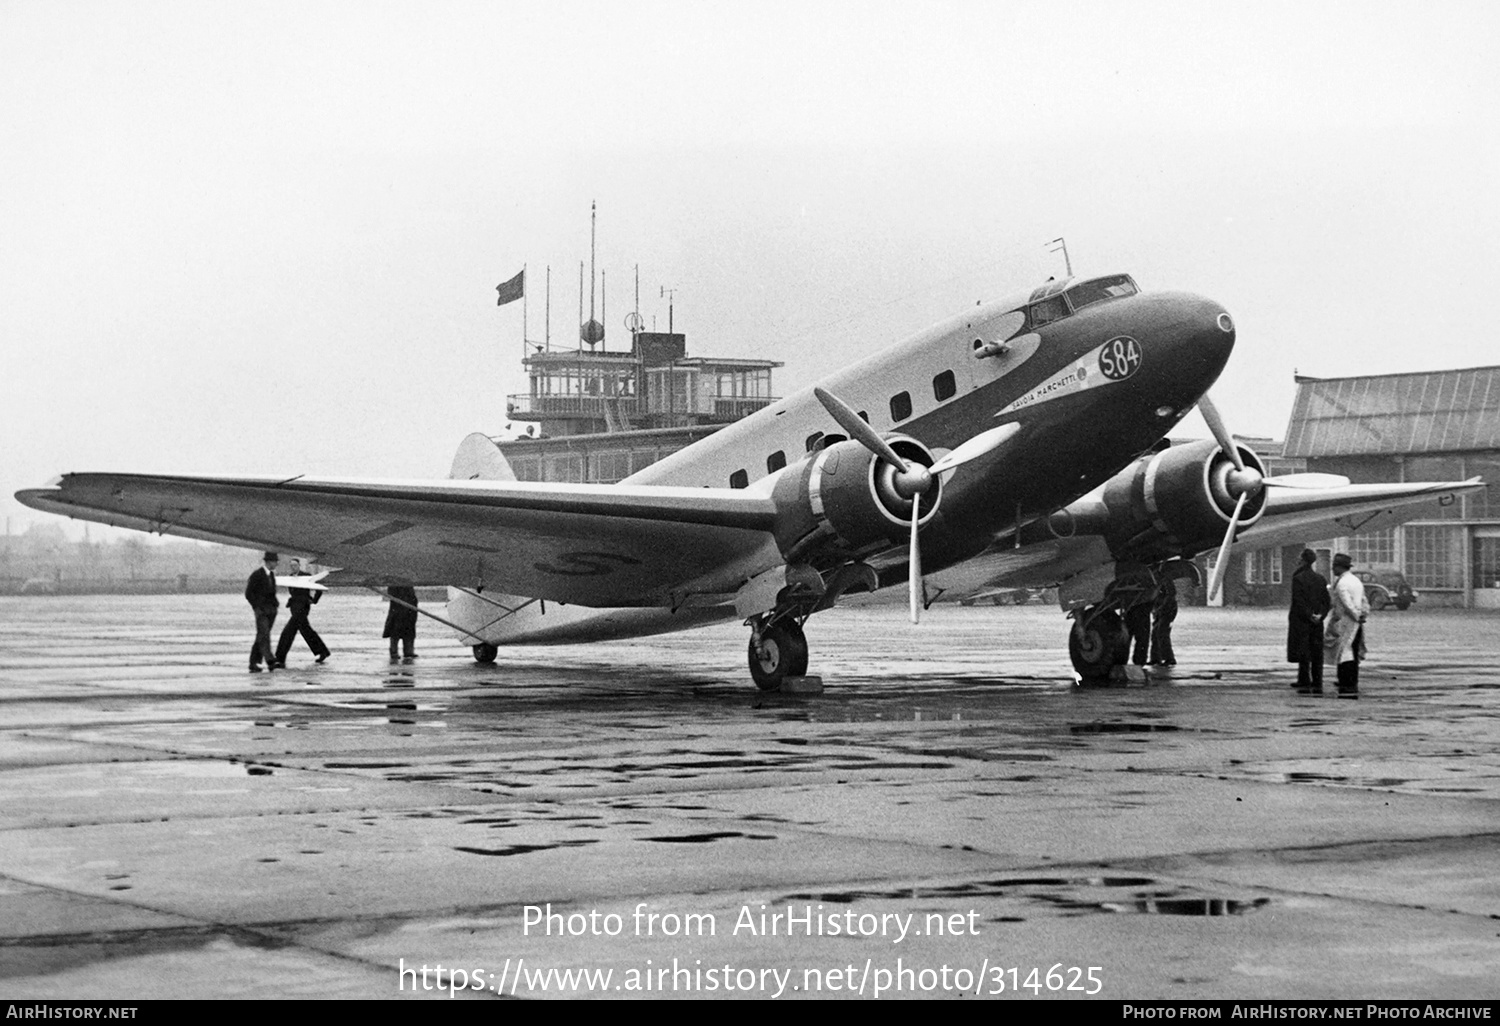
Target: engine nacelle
1178, 501
847, 496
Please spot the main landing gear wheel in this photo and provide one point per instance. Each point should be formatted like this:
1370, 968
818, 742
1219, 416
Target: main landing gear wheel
782, 653
486, 653
1099, 647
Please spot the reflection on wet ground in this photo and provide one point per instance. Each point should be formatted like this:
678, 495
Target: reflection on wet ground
352, 813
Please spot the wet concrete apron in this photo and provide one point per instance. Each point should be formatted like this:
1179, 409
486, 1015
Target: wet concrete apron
172, 826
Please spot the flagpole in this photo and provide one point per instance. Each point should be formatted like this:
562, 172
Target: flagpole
524, 302
549, 308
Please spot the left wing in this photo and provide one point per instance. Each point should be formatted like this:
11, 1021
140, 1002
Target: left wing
593, 545
1313, 506
1297, 514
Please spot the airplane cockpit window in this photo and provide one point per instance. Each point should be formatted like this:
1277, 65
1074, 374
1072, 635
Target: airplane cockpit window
1099, 289
1045, 312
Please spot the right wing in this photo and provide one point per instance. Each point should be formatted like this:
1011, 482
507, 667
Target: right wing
593, 545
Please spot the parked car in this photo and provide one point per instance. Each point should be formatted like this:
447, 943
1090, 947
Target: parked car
1386, 586
1003, 597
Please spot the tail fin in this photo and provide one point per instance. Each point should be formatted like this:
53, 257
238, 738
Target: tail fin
480, 459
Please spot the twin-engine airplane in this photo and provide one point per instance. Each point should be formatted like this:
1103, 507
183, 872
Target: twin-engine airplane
1020, 442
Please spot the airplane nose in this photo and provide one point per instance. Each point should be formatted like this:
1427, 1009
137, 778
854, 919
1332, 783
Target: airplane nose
1197, 335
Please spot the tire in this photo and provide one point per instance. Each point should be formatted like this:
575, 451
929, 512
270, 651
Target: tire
485, 653
1101, 647
782, 653
1379, 600
1403, 604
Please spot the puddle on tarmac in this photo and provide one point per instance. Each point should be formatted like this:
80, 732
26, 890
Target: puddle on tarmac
717, 835
522, 849
1189, 906
1071, 895
1121, 728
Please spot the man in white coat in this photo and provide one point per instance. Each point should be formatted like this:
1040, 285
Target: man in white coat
1346, 635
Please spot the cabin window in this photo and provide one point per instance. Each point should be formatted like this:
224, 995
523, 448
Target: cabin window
900, 406
815, 441
943, 386
864, 416
775, 461
739, 479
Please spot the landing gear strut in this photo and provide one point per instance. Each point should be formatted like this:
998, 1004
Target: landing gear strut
777, 651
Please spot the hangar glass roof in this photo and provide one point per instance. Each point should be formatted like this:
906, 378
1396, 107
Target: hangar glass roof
1437, 411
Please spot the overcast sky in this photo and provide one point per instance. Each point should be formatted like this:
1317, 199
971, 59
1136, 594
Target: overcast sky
264, 238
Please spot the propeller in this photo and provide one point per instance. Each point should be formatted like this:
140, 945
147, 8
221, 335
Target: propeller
912, 480
1242, 482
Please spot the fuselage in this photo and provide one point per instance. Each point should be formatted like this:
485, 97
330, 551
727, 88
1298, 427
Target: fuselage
1092, 372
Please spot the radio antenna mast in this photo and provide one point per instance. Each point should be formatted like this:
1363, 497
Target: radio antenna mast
1062, 244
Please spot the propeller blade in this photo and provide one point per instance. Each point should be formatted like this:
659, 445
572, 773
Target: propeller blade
1221, 565
914, 575
975, 447
858, 430
1221, 433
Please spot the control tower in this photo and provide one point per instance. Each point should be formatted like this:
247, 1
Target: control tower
604, 414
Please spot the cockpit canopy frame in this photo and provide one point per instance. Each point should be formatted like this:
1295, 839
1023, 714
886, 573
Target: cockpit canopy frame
1062, 298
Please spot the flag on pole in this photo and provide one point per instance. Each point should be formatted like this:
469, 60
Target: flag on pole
512, 290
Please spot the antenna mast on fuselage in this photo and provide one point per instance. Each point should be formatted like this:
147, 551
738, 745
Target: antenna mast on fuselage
1062, 244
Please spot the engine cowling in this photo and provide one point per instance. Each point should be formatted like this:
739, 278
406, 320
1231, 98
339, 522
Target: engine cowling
849, 496
1175, 502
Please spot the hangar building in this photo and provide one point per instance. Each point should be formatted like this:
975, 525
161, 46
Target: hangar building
1428, 426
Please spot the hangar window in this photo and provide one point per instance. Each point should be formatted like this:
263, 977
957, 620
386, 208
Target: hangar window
943, 386
900, 406
739, 479
1100, 289
775, 461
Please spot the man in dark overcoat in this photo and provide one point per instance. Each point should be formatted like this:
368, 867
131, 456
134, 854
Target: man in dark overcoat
1304, 631
260, 592
299, 602
401, 620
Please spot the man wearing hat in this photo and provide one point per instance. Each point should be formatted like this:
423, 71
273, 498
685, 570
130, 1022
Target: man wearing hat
1304, 629
260, 592
1346, 633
